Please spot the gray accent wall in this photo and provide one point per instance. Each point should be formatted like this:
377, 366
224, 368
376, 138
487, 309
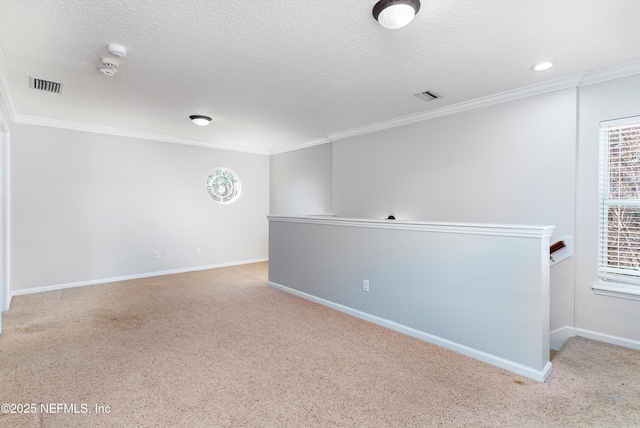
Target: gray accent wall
91, 206
443, 283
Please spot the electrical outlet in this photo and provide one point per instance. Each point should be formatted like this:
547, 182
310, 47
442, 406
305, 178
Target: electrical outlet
365, 285
197, 250
168, 254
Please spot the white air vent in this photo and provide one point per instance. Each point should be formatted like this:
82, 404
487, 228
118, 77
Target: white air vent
45, 85
427, 96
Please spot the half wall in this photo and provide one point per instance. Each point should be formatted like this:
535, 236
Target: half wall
478, 289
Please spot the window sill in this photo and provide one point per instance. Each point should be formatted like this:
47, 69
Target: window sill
622, 291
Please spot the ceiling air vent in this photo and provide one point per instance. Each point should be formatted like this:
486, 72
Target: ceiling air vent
45, 85
427, 96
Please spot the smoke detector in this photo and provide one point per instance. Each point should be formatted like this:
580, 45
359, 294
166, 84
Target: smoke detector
110, 61
117, 50
109, 65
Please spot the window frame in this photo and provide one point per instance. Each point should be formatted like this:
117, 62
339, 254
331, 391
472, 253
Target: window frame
616, 281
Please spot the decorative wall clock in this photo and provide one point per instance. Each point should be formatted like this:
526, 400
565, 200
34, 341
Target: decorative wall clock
223, 185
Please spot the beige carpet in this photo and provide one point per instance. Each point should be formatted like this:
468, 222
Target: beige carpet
219, 348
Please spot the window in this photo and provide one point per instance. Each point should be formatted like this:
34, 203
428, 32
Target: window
619, 240
223, 185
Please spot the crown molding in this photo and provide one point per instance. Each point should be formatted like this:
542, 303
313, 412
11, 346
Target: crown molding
5, 90
301, 146
576, 80
32, 120
527, 91
611, 73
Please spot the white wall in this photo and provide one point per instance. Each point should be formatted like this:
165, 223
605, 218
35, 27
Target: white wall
615, 317
300, 181
508, 163
88, 207
5, 207
5, 215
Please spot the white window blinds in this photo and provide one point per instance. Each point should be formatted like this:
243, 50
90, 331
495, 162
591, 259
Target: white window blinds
619, 239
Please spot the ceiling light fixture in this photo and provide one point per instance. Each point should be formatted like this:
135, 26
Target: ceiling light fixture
541, 66
393, 14
200, 120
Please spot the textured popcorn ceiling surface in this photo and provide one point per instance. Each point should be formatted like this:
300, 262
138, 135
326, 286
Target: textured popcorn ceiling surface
276, 74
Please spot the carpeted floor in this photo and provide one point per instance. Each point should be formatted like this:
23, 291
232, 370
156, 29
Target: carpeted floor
219, 348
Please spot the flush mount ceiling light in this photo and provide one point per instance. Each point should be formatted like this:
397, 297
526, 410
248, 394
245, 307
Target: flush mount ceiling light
541, 66
393, 14
200, 120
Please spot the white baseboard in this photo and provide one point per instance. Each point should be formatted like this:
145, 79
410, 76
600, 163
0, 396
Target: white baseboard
558, 337
607, 338
538, 375
128, 277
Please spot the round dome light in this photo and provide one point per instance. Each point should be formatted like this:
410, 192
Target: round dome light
394, 14
200, 120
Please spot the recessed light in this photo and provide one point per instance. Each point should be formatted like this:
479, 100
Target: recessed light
541, 66
200, 120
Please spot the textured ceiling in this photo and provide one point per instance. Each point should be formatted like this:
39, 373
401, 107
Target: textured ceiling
281, 74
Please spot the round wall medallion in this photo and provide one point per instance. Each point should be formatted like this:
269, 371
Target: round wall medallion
223, 185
